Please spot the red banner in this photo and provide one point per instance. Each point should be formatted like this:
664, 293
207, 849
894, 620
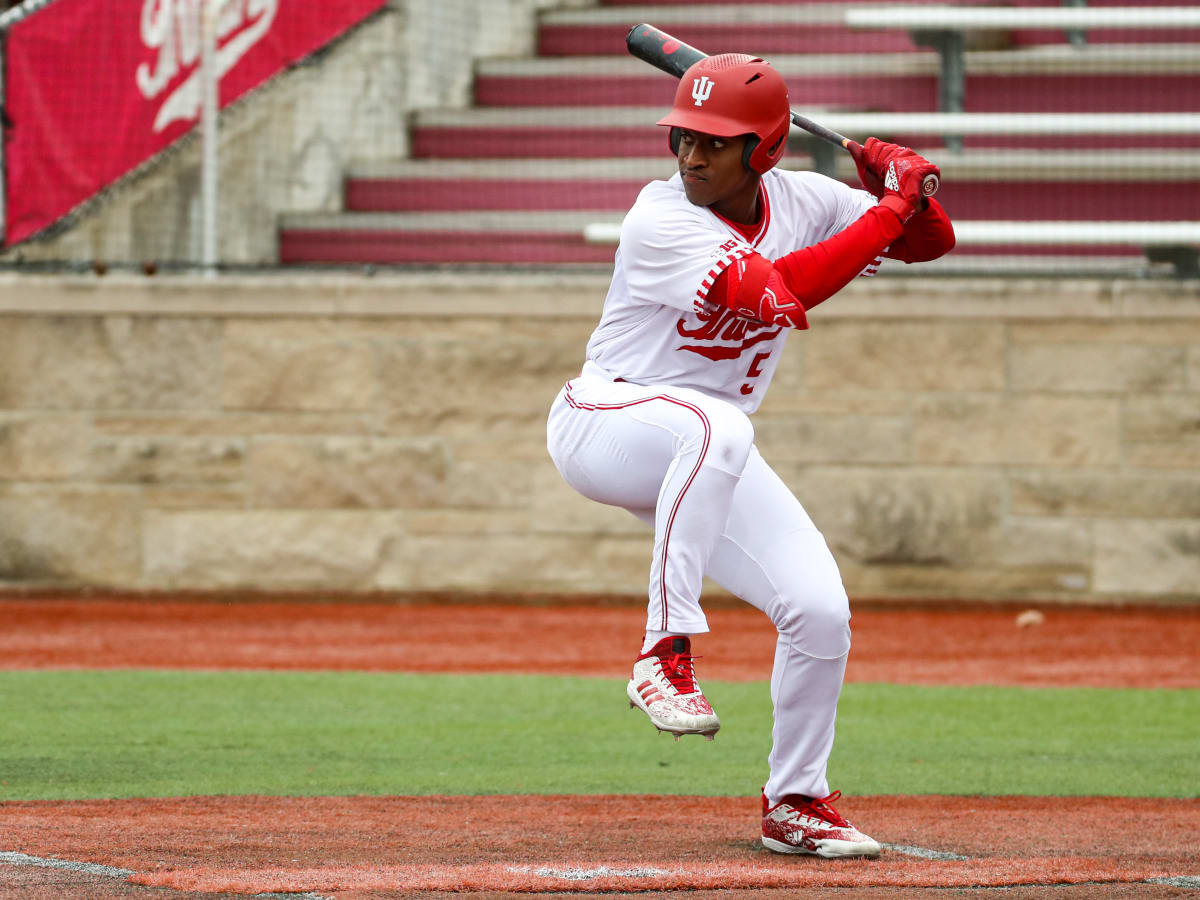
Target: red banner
94, 89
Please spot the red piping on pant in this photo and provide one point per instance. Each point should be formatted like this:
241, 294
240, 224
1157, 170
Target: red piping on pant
593, 407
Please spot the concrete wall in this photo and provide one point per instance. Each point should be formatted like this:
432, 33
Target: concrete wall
286, 146
1028, 440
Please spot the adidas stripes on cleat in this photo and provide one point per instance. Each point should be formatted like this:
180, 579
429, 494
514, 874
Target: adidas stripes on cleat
664, 687
810, 825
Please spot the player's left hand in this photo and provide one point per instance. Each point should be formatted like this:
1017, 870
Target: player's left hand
872, 163
871, 179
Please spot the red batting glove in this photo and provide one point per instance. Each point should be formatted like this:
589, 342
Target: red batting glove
872, 163
867, 161
901, 172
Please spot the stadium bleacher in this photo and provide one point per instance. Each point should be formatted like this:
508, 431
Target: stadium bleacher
1059, 125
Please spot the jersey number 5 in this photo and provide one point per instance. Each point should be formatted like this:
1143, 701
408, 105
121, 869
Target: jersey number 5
755, 370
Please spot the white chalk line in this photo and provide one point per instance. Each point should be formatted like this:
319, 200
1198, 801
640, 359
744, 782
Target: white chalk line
8, 857
576, 873
24, 859
573, 873
922, 852
1183, 881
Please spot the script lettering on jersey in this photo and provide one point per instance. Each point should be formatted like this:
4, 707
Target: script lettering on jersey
173, 28
722, 334
726, 247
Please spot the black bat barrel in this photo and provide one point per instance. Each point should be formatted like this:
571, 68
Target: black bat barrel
661, 50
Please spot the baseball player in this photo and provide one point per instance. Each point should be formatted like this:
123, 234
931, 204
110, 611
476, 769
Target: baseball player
715, 267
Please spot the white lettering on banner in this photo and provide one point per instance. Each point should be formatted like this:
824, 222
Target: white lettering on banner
173, 28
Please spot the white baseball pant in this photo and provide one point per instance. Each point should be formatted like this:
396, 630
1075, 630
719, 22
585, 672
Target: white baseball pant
686, 463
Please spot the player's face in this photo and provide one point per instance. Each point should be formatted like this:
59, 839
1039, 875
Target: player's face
713, 175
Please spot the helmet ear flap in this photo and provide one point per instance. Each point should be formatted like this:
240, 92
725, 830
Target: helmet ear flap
673, 137
762, 157
752, 143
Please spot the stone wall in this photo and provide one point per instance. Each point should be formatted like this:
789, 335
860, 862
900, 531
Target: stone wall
1024, 440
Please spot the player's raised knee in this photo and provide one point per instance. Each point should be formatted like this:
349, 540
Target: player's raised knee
825, 630
731, 439
815, 619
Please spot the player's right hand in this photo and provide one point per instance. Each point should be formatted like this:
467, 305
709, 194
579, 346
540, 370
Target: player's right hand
902, 172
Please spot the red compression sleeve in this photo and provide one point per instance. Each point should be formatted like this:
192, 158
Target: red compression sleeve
927, 235
816, 273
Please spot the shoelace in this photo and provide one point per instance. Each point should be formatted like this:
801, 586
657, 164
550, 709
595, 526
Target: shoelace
822, 808
680, 672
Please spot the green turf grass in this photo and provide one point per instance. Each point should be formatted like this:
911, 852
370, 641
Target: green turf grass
93, 734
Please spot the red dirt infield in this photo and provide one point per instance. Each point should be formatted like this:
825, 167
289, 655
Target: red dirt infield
350, 847
382, 846
354, 848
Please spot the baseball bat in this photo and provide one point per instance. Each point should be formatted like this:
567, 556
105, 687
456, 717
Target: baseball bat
674, 57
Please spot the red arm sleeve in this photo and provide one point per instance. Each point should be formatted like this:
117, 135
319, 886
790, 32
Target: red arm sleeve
927, 235
818, 272
779, 293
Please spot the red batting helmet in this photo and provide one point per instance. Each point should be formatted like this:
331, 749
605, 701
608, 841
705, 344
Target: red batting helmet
731, 94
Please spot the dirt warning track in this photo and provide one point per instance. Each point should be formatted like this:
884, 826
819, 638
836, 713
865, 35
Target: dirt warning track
1135, 648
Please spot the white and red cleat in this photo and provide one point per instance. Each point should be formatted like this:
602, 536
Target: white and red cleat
799, 824
664, 687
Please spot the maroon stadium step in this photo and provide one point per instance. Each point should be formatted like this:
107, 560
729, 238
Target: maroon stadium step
976, 185
765, 29
1088, 201
1059, 79
534, 133
775, 27
521, 184
896, 82
515, 238
1037, 200
1165, 92
614, 132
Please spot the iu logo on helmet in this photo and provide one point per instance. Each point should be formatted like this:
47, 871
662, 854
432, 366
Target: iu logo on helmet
701, 88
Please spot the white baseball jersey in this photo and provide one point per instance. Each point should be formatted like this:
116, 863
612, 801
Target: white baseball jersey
658, 327
657, 423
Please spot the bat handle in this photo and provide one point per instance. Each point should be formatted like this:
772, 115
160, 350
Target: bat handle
854, 148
